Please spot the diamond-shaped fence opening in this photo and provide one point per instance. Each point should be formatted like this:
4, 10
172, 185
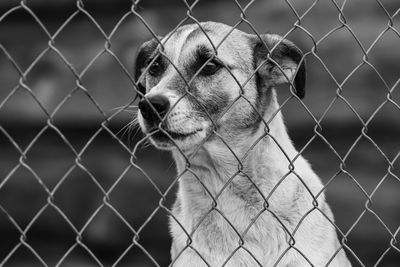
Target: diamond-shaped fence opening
81, 184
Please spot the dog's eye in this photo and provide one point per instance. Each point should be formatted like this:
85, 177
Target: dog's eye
155, 68
211, 68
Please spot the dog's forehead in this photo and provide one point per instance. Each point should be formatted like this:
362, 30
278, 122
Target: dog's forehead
228, 42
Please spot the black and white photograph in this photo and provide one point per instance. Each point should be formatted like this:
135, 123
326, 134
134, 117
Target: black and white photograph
195, 133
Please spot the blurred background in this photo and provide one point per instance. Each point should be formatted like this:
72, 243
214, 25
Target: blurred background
54, 174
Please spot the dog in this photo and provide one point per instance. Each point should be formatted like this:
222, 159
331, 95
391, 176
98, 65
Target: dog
246, 197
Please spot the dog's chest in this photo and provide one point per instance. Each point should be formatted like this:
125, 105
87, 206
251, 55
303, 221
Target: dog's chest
232, 227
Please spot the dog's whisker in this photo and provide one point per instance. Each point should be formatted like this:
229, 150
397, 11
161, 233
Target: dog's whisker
130, 107
170, 165
132, 112
131, 129
126, 127
146, 144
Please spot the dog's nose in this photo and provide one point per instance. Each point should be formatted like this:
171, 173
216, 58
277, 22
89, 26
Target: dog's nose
149, 105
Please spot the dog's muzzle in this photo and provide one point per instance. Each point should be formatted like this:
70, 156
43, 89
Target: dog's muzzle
153, 109
163, 131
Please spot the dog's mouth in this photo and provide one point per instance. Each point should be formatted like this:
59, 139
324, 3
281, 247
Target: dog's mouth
167, 136
177, 132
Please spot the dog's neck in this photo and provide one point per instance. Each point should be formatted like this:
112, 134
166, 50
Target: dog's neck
212, 166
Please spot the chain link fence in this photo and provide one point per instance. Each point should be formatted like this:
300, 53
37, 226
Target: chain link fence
80, 185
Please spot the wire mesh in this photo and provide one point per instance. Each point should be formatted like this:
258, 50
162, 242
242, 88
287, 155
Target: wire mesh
104, 126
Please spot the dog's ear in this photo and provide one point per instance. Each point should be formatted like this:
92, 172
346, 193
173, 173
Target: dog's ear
285, 54
144, 54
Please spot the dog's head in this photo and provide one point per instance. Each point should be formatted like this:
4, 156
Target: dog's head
199, 84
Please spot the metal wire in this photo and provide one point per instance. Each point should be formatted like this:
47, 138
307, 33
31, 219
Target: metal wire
104, 127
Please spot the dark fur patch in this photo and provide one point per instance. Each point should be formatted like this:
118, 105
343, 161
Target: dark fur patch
213, 103
145, 52
216, 102
284, 50
200, 56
